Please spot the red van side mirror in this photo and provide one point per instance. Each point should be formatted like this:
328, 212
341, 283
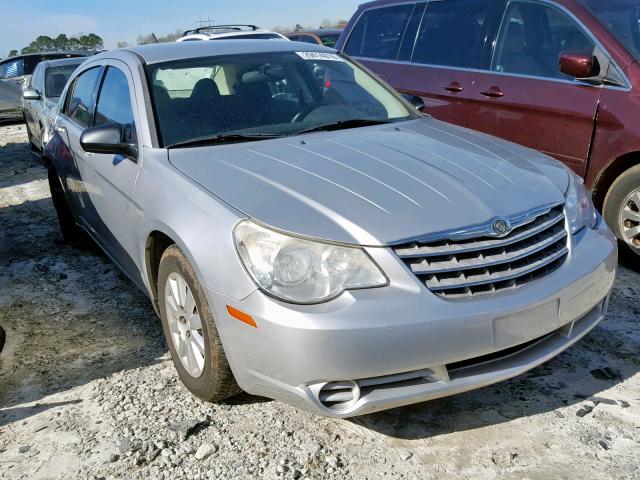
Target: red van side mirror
579, 64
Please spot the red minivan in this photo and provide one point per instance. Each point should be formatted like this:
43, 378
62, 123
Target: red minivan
560, 76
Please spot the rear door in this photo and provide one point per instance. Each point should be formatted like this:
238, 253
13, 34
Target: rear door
30, 106
524, 97
76, 116
439, 57
377, 35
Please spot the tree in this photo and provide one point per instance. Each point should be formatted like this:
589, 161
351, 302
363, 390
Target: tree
153, 38
63, 42
326, 23
122, 45
13, 53
298, 28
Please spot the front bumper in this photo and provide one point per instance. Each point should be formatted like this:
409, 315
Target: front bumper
371, 350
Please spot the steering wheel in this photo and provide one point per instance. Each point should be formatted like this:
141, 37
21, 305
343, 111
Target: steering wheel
302, 114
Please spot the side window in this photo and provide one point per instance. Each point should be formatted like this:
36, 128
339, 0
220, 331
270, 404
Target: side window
80, 102
307, 39
379, 32
532, 37
12, 68
452, 33
114, 103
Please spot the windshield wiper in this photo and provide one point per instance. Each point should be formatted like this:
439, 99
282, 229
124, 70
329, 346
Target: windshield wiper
231, 138
344, 124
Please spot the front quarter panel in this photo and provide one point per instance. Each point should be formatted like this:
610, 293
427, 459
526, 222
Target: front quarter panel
198, 222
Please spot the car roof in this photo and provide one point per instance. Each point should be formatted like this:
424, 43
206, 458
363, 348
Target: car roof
377, 3
166, 52
228, 33
60, 62
320, 32
79, 53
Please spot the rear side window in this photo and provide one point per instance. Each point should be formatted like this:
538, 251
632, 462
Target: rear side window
80, 103
304, 38
452, 33
378, 33
114, 103
56, 79
12, 68
532, 37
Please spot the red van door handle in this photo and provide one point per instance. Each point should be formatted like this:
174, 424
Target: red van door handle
454, 87
493, 92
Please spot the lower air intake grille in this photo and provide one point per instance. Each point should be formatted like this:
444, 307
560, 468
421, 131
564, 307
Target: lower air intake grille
453, 268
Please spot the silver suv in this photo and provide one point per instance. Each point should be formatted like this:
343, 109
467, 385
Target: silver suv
230, 32
305, 234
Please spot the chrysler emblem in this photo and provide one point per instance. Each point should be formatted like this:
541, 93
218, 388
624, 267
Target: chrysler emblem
500, 227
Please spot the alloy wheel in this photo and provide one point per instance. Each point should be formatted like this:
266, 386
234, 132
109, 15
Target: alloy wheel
185, 325
630, 220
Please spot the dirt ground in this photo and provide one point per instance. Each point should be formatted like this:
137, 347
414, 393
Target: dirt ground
87, 389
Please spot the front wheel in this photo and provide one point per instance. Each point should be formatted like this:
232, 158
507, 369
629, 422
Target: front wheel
190, 330
622, 209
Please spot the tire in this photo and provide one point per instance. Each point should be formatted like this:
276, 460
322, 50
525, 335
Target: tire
212, 380
3, 337
621, 210
71, 232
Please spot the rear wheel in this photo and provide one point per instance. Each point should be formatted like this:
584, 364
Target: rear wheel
190, 330
622, 209
71, 232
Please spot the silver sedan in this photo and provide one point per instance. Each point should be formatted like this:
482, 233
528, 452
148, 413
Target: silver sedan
41, 96
306, 234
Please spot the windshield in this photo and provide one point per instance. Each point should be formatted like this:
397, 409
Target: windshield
275, 94
56, 79
622, 18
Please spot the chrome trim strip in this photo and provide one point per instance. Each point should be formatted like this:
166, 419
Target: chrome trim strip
480, 230
465, 267
534, 268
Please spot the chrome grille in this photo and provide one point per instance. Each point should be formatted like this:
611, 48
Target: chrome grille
467, 267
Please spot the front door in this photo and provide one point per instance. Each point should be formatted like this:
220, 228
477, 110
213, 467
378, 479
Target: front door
525, 98
110, 179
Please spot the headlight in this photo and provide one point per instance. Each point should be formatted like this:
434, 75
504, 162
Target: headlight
580, 210
303, 271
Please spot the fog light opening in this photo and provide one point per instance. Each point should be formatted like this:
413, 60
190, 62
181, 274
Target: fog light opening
339, 396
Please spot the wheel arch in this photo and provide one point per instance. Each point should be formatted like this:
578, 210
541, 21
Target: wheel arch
609, 175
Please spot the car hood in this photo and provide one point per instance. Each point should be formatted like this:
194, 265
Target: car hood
377, 185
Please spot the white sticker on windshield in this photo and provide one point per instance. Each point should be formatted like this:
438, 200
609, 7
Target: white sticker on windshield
331, 57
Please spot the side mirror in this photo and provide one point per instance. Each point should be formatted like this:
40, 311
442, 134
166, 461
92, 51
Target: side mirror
579, 64
415, 100
107, 139
31, 94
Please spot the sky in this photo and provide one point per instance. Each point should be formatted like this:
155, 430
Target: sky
124, 20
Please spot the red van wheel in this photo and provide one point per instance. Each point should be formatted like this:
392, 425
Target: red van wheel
622, 209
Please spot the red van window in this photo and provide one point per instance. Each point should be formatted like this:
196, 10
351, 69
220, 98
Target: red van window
379, 32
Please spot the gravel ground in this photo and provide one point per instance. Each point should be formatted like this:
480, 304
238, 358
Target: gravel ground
87, 389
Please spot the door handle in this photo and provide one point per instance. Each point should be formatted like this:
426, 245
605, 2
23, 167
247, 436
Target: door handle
59, 129
454, 87
493, 92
